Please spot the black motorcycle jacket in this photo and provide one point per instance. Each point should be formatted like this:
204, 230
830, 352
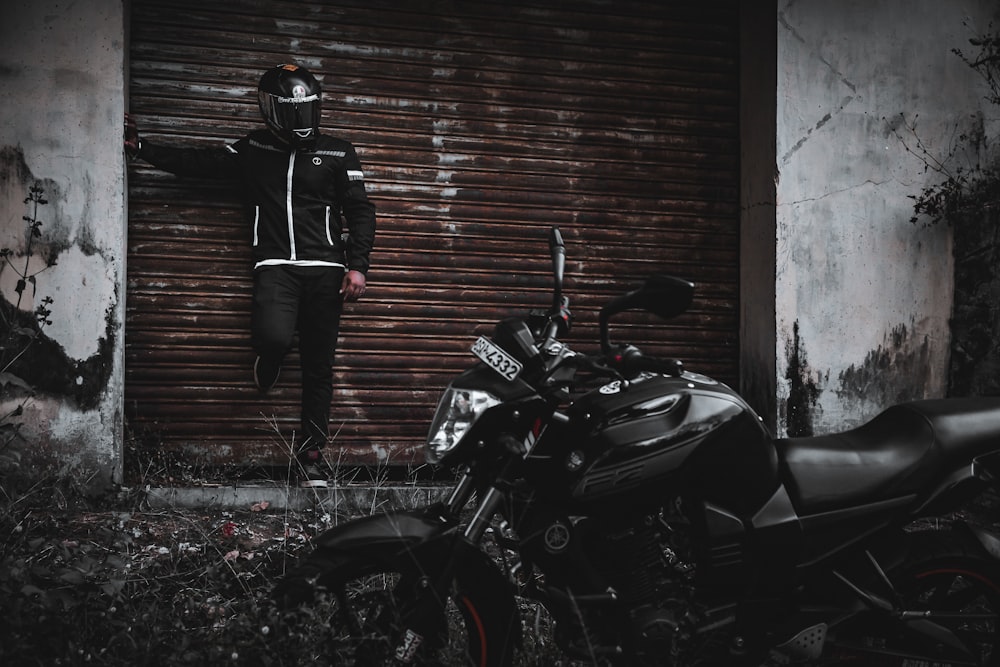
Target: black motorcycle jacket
297, 200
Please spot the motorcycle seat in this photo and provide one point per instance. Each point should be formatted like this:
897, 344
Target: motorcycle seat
895, 454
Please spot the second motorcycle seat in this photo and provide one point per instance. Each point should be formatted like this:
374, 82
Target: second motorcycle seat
893, 455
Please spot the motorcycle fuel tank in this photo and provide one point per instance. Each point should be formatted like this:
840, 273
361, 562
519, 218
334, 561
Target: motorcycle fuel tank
657, 433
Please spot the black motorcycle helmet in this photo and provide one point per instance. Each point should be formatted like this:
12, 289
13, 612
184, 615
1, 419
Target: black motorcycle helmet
289, 98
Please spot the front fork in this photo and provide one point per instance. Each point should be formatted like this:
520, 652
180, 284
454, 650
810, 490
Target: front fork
434, 591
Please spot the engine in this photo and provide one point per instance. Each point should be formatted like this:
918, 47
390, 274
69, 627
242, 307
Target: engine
614, 587
652, 582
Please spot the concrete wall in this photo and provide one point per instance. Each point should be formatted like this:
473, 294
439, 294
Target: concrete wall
862, 295
62, 69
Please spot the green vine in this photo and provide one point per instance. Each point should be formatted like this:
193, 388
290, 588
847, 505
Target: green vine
21, 332
971, 185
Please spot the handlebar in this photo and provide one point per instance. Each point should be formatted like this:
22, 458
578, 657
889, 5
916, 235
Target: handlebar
672, 367
625, 363
631, 361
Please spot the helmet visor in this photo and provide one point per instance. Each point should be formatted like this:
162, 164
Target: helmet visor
295, 118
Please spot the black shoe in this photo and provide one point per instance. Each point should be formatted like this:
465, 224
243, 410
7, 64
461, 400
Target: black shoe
264, 375
310, 470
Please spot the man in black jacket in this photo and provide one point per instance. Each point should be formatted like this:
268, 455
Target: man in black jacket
299, 186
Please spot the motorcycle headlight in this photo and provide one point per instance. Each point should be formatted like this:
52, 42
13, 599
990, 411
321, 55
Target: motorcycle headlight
457, 411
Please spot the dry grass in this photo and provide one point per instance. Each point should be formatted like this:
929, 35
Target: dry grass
112, 581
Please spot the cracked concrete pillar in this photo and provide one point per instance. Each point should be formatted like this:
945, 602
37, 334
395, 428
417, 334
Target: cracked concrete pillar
62, 69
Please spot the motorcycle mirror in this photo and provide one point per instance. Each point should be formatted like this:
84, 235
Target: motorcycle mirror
664, 296
558, 250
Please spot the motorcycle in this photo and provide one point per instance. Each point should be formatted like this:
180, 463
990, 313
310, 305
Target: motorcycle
650, 513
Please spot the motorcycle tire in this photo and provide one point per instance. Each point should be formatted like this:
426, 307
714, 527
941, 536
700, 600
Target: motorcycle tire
948, 576
355, 609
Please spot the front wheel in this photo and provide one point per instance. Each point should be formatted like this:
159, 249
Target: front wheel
946, 596
369, 613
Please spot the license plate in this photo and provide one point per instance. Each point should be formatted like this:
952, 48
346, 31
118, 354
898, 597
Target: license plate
496, 358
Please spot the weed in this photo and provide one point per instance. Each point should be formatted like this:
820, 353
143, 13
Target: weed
114, 582
20, 331
967, 185
110, 586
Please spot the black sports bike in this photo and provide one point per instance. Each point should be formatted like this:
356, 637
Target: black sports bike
651, 514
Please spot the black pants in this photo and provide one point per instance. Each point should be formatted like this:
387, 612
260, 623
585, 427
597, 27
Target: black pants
287, 299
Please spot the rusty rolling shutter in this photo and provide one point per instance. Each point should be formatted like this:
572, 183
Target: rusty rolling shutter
480, 125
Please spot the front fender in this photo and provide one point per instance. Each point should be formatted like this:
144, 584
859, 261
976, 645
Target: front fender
388, 534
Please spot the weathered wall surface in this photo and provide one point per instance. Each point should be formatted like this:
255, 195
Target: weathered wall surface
863, 296
62, 72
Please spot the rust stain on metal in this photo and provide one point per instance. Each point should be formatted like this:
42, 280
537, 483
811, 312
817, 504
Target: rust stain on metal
480, 126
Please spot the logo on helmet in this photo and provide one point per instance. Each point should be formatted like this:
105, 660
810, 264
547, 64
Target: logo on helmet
298, 91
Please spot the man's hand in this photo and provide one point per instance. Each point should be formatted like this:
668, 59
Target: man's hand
353, 287
131, 137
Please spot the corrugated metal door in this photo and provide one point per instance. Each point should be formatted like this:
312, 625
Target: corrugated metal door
480, 125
